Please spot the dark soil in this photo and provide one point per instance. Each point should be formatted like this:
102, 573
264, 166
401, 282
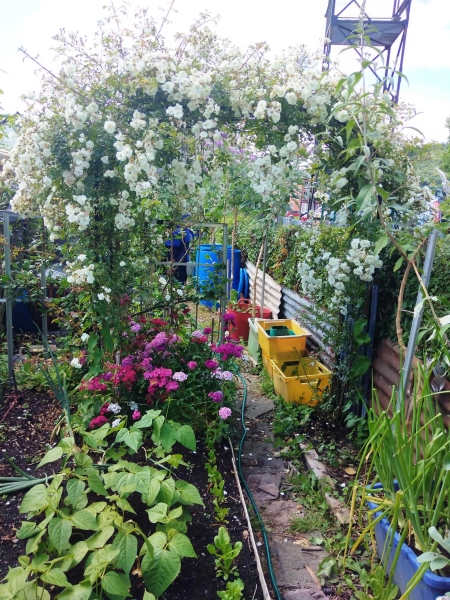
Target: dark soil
27, 420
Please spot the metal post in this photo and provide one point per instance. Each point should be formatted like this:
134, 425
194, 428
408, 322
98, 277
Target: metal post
263, 283
224, 298
417, 320
44, 299
9, 324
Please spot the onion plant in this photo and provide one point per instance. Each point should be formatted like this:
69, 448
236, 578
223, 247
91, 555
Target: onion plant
406, 460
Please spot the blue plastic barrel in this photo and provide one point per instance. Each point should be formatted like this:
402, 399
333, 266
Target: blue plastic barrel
211, 254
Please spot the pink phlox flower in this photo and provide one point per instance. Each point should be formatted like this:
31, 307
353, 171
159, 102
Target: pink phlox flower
135, 327
228, 318
106, 376
180, 376
171, 386
227, 376
211, 364
197, 333
207, 330
127, 361
95, 385
158, 343
98, 421
146, 363
229, 349
192, 364
225, 412
147, 374
216, 396
136, 415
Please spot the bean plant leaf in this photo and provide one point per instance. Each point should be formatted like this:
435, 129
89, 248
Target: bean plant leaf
27, 530
186, 436
181, 544
127, 546
81, 591
75, 556
133, 439
59, 531
55, 577
159, 573
116, 584
99, 539
189, 494
35, 499
148, 596
83, 519
158, 513
168, 436
147, 419
52, 455
76, 494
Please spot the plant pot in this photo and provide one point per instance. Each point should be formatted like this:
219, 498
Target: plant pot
430, 587
253, 344
240, 328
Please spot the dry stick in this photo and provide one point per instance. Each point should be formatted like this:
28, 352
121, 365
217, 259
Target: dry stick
398, 325
256, 278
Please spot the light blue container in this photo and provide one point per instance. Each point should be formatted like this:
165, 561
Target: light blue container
211, 254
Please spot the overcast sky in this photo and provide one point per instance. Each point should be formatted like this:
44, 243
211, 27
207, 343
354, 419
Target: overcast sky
282, 23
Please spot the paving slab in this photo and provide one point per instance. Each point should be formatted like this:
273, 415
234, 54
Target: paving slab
291, 562
305, 594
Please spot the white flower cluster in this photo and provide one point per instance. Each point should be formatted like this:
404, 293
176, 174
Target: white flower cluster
365, 262
79, 213
81, 275
358, 261
105, 294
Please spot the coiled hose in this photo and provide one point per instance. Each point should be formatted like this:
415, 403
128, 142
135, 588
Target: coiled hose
249, 494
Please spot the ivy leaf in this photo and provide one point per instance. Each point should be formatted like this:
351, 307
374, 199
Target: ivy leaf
116, 584
35, 499
186, 436
52, 455
181, 544
159, 573
59, 531
127, 546
55, 577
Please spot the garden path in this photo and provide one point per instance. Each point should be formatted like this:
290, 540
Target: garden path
266, 473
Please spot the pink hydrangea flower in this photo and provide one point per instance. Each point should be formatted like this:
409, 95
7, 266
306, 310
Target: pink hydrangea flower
225, 412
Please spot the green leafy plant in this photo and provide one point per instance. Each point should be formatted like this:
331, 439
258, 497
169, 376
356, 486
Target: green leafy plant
225, 553
234, 590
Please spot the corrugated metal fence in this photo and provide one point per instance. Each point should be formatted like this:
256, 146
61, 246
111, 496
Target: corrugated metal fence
285, 303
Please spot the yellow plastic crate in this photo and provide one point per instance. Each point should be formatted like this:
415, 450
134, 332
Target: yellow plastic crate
282, 348
267, 364
300, 381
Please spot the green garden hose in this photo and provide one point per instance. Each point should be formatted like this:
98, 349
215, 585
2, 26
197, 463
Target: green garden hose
249, 494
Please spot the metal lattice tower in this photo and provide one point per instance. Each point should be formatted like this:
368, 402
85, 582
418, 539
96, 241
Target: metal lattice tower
387, 33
